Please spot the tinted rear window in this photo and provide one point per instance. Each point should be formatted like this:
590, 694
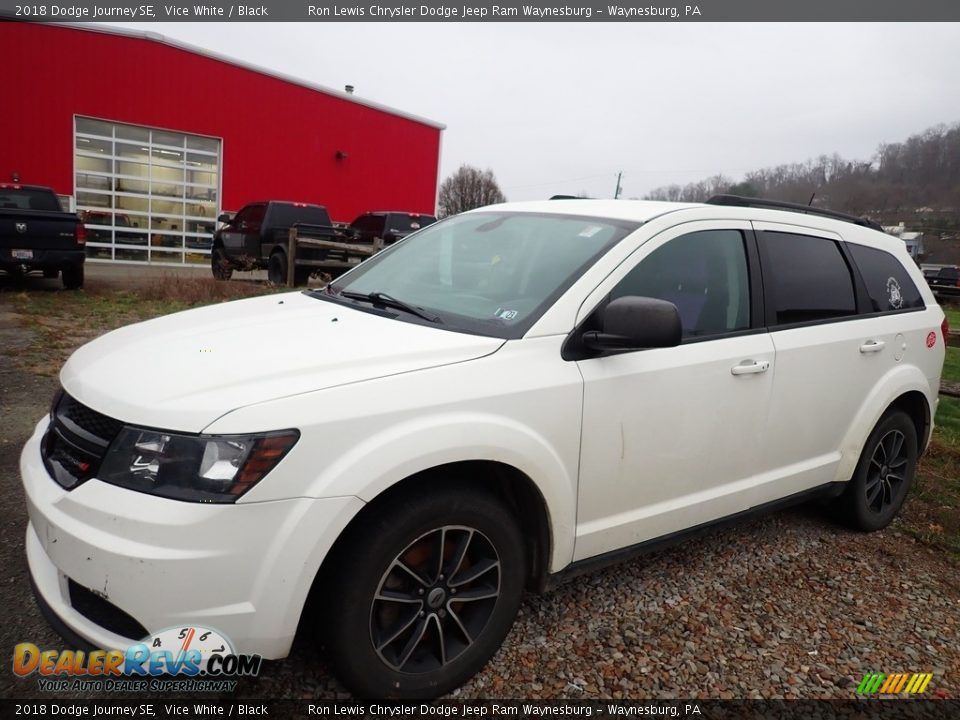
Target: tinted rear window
808, 278
27, 199
287, 215
888, 284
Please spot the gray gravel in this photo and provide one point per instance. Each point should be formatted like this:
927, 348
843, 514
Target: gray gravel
783, 606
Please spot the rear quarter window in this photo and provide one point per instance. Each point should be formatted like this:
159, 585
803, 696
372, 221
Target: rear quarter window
889, 286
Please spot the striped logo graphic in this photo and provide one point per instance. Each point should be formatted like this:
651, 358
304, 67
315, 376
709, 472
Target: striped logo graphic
894, 684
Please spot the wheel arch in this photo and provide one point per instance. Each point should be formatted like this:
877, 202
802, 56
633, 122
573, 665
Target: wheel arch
915, 404
904, 388
514, 488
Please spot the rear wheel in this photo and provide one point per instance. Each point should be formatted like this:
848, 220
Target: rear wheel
220, 264
884, 473
73, 276
425, 594
277, 268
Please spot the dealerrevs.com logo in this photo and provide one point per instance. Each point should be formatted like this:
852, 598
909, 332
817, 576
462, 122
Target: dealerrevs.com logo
183, 659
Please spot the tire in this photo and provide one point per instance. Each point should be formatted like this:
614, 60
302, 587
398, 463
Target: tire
50, 273
73, 276
277, 268
220, 264
391, 647
884, 474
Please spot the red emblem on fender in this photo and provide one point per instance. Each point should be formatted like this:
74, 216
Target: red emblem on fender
931, 339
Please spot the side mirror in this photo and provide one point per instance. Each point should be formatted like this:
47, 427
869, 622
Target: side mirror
224, 218
636, 323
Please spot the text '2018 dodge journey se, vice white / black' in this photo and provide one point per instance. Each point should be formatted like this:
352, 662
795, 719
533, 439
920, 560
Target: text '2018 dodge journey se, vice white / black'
507, 395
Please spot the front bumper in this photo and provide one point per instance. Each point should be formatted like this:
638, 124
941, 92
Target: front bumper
243, 570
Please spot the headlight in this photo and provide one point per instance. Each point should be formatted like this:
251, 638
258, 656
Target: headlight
199, 468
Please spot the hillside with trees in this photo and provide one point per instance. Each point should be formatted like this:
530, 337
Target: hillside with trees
916, 182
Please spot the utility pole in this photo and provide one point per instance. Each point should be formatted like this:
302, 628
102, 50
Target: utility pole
616, 193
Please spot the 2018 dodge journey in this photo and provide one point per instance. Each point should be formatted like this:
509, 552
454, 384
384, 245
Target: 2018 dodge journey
503, 397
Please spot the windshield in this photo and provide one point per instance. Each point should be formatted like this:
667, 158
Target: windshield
490, 273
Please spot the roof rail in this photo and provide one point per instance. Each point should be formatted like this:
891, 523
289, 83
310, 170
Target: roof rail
566, 197
738, 201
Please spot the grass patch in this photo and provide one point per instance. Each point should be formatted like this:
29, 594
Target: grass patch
63, 321
953, 316
932, 512
951, 365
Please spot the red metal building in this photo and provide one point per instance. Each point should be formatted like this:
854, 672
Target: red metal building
151, 138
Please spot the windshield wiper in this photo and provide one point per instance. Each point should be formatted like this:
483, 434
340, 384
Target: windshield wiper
380, 298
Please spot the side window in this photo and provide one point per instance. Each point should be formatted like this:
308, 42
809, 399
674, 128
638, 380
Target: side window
888, 284
254, 218
807, 277
704, 274
368, 223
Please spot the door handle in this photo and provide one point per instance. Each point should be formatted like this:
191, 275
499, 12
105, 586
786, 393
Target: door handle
749, 367
872, 346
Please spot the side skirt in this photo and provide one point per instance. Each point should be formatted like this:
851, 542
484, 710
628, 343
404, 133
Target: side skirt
614, 557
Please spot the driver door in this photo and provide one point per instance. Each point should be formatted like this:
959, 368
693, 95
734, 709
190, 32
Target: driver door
671, 437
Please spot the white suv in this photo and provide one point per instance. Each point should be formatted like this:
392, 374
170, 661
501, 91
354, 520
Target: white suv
506, 396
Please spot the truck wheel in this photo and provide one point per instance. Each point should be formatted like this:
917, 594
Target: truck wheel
220, 264
277, 268
884, 474
73, 276
424, 593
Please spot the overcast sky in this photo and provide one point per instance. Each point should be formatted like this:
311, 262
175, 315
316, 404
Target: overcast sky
562, 107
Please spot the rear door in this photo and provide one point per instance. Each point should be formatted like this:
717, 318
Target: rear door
828, 357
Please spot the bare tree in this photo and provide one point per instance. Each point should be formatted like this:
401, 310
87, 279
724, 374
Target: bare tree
468, 188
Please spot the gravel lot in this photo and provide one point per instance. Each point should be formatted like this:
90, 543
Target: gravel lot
786, 605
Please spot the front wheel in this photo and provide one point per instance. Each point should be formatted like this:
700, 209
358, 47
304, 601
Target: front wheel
220, 264
884, 473
424, 594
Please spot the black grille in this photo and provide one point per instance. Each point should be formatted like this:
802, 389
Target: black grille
76, 441
89, 420
104, 613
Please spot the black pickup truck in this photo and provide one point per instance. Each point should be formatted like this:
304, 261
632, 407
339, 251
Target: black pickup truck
35, 234
257, 238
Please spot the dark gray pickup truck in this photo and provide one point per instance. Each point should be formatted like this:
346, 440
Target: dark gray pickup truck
257, 238
35, 234
945, 282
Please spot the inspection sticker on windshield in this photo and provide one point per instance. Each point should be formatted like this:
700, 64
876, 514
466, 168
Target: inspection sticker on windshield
590, 230
505, 314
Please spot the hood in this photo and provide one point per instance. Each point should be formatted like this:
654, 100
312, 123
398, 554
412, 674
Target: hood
183, 371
